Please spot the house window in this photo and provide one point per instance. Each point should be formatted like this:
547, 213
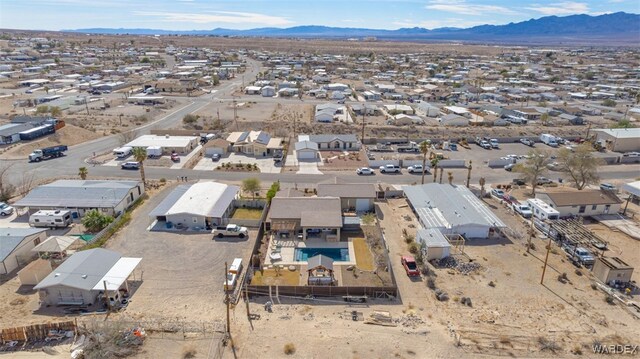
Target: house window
336, 145
594, 207
582, 209
36, 241
105, 210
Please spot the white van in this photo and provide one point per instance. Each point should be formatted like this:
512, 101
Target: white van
122, 152
51, 219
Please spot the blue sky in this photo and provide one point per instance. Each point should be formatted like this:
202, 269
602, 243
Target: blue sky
246, 14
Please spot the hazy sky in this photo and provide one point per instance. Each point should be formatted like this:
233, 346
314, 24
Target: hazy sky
245, 14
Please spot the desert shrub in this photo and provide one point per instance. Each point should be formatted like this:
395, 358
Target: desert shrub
289, 348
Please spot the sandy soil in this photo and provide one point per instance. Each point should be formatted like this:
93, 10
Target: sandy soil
69, 135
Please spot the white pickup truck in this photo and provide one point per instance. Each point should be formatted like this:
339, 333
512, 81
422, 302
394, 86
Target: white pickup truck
231, 230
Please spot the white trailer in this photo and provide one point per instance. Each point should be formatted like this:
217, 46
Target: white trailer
549, 140
51, 219
154, 151
542, 210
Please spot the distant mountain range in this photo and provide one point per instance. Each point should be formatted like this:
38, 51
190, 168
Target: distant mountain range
618, 27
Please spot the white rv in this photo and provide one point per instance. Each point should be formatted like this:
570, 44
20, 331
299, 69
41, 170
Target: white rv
233, 273
542, 210
51, 218
122, 152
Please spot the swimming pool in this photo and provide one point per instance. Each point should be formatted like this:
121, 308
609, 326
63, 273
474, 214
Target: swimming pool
337, 254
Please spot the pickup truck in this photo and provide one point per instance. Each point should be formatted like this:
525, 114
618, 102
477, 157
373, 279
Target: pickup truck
494, 143
579, 255
389, 169
231, 230
523, 210
46, 153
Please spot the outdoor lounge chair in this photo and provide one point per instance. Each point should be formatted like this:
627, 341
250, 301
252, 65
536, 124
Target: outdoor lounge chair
275, 256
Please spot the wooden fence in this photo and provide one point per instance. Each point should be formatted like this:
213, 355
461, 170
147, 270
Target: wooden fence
34, 332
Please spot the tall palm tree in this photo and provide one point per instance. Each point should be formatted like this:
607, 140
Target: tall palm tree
83, 172
450, 177
434, 167
424, 149
140, 154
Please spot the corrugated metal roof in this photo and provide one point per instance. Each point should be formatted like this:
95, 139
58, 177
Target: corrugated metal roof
78, 193
432, 237
208, 199
448, 206
83, 270
10, 238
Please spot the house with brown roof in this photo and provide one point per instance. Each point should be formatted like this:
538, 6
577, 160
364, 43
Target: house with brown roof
586, 202
306, 217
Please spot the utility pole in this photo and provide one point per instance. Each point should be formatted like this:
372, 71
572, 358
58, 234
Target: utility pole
246, 298
531, 233
469, 173
235, 112
227, 300
106, 296
364, 114
544, 269
441, 172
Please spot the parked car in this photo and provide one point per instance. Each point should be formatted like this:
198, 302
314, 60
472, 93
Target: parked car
5, 209
175, 157
519, 181
415, 169
494, 143
130, 166
509, 167
365, 171
523, 209
498, 193
631, 154
485, 144
607, 187
527, 142
390, 169
410, 266
215, 157
543, 180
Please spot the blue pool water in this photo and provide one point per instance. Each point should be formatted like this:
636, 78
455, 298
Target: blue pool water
337, 254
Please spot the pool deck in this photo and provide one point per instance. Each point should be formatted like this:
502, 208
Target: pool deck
288, 247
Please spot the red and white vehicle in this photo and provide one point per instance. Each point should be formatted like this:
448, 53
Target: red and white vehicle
410, 266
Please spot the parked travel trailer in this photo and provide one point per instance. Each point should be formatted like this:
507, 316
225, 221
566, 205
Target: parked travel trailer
51, 218
549, 140
122, 152
542, 210
233, 273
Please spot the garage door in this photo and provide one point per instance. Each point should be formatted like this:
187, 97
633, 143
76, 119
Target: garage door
362, 205
213, 150
306, 155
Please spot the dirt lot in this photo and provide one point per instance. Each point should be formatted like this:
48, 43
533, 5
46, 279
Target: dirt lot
515, 314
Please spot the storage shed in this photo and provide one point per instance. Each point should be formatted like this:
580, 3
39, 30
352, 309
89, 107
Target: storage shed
320, 270
16, 245
612, 270
433, 243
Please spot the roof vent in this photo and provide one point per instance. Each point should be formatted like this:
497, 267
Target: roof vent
57, 275
84, 276
166, 136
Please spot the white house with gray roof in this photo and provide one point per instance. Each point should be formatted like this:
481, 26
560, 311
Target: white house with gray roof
79, 196
82, 278
197, 206
452, 209
16, 245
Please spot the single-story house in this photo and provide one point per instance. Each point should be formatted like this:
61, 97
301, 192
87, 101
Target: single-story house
326, 112
619, 139
587, 202
268, 91
82, 278
312, 217
397, 109
433, 244
354, 197
612, 269
197, 206
78, 196
452, 209
217, 146
16, 245
252, 90
333, 142
169, 144
364, 109
254, 143
306, 150
454, 120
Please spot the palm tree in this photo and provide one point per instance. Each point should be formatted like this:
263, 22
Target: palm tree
140, 154
450, 177
482, 182
434, 167
424, 149
83, 172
